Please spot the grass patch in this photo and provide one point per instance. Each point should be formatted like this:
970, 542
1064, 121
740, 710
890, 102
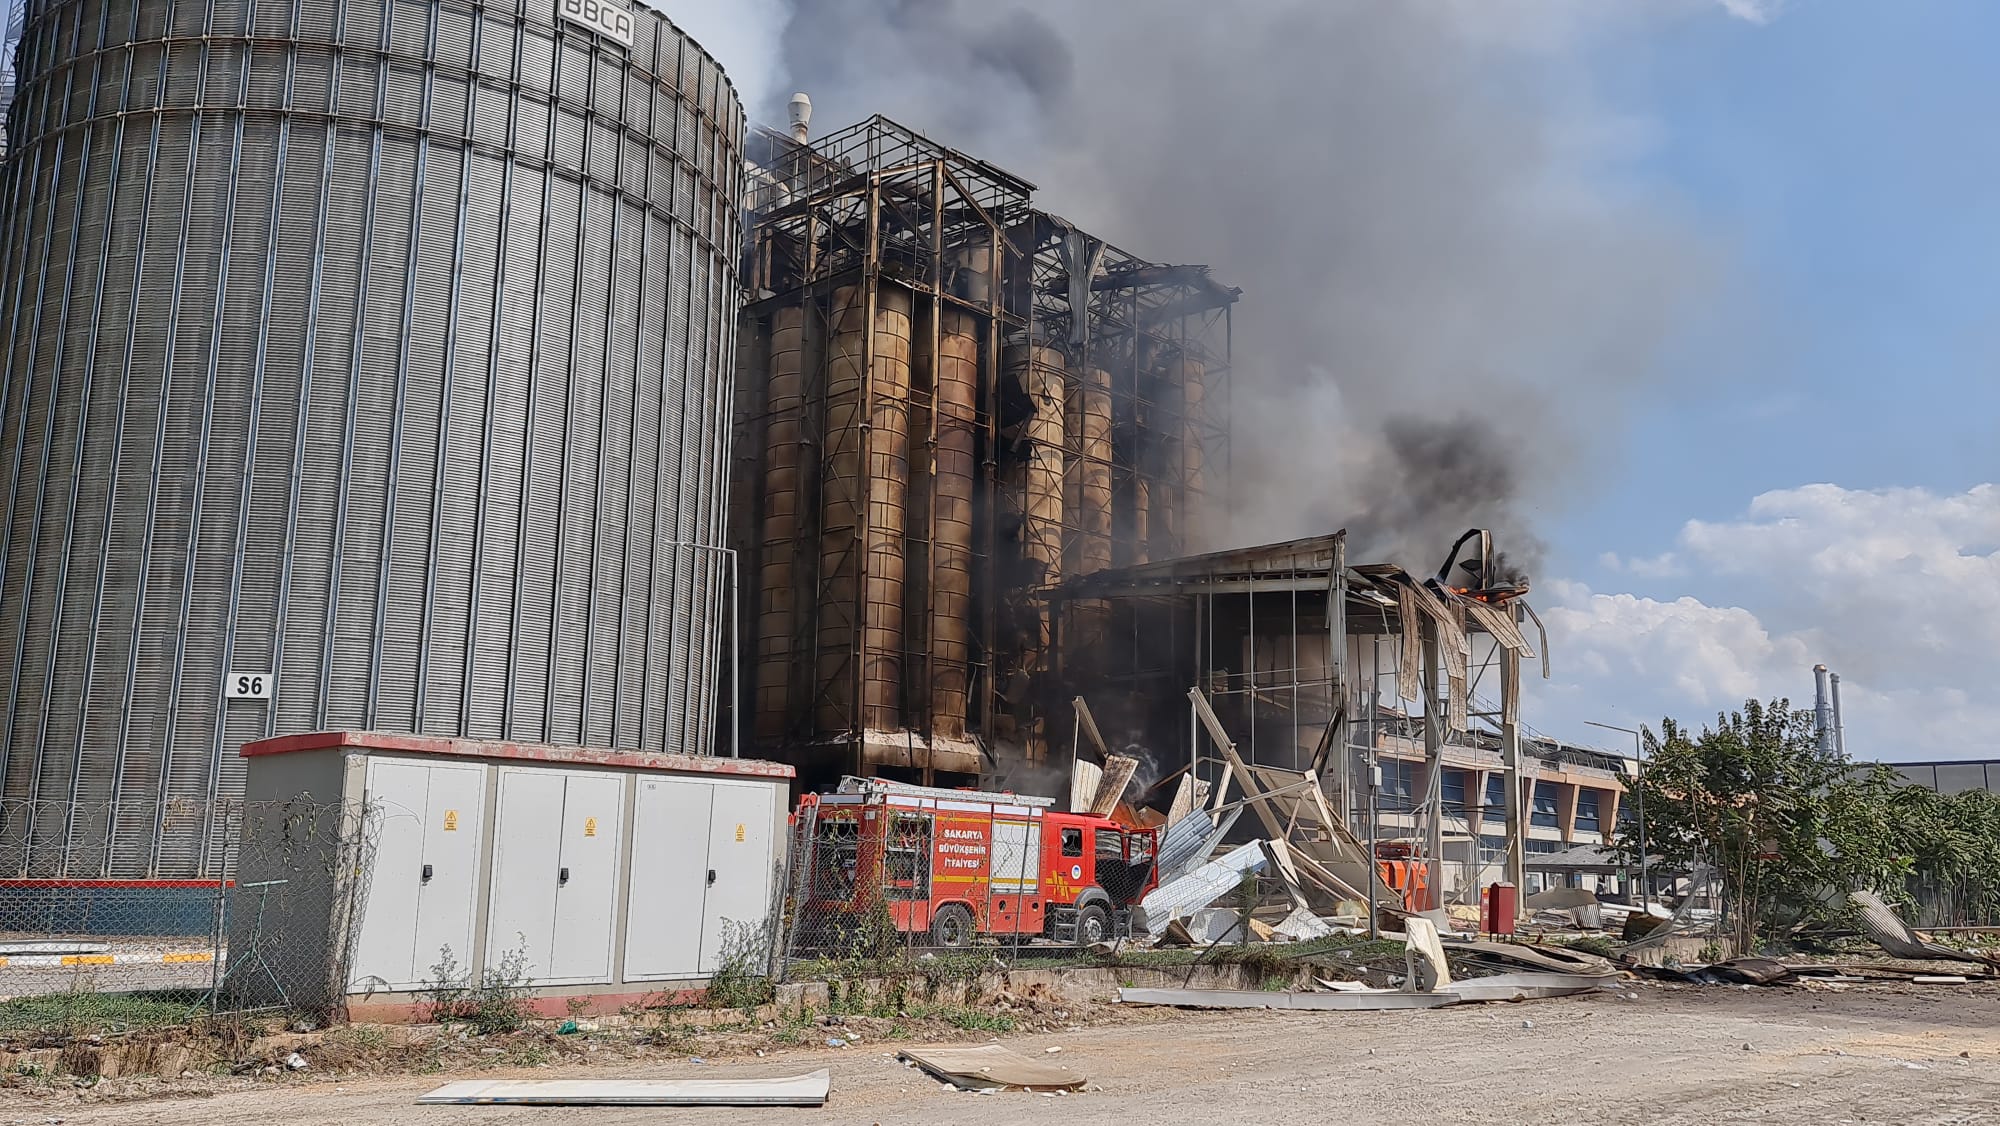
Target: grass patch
979, 1020
1593, 944
82, 1011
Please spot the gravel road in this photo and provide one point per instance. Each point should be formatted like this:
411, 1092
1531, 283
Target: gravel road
1917, 1055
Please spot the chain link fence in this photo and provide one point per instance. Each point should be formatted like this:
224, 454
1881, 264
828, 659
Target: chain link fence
94, 938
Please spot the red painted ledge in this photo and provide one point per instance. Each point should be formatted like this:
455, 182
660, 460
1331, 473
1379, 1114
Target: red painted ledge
530, 752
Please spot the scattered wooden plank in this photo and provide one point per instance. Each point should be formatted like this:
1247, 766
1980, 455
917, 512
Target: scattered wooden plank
1184, 799
1083, 784
1117, 774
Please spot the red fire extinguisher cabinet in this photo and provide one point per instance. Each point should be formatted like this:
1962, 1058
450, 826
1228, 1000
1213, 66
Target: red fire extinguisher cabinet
1502, 904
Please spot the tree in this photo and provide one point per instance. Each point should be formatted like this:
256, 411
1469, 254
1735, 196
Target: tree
1787, 828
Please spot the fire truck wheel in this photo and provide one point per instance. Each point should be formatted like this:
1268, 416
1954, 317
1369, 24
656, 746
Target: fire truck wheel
951, 926
1093, 925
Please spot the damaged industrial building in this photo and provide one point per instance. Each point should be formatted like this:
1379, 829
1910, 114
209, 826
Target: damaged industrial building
978, 497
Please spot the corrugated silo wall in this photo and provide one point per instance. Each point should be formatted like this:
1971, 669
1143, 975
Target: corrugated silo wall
382, 347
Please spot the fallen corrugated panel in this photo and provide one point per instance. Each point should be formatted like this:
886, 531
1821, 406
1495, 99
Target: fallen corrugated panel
1302, 926
990, 1065
1682, 913
1752, 971
1198, 836
1198, 888
1528, 986
1355, 1000
1182, 846
1550, 959
1894, 935
1214, 924
796, 1090
1561, 899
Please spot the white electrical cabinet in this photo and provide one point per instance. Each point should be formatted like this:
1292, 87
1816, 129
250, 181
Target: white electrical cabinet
663, 928
554, 900
577, 870
706, 843
740, 870
425, 873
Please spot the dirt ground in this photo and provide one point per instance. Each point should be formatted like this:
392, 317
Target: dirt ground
1908, 1054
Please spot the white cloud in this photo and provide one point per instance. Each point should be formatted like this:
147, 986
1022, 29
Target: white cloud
1666, 565
1759, 12
1896, 589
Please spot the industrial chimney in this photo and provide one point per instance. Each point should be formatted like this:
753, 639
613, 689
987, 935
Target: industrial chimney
1839, 728
802, 113
1823, 721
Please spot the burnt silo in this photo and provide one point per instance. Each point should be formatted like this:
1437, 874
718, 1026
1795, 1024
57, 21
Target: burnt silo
950, 405
367, 368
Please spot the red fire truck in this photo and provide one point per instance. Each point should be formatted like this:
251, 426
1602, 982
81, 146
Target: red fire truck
956, 864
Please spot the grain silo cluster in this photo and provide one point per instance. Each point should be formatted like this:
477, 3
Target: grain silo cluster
949, 403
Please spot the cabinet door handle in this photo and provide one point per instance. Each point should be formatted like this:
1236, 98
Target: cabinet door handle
562, 875
711, 876
427, 873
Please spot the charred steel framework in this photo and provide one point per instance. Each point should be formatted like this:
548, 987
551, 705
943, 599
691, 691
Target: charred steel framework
949, 401
1272, 636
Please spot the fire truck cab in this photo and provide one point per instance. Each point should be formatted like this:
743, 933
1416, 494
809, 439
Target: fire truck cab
958, 864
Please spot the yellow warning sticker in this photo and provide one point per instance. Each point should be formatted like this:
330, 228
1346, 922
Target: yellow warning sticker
590, 826
739, 830
451, 821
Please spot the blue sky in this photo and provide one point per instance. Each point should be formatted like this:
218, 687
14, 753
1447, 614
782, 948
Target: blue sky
1843, 155
1844, 152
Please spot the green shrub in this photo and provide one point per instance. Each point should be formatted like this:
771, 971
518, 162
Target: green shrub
496, 1002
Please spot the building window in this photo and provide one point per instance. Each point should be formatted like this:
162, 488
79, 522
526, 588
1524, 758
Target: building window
1545, 805
1586, 811
1496, 794
1454, 790
1399, 782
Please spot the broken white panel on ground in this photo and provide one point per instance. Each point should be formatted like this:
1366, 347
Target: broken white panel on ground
1198, 888
1347, 1000
796, 1090
1423, 955
990, 1065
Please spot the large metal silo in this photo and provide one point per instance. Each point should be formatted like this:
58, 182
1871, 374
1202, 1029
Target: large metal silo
377, 348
